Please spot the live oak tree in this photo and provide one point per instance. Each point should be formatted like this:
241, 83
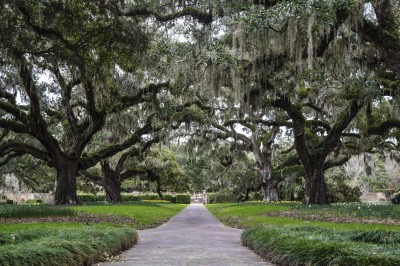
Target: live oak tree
156, 166
297, 56
381, 29
68, 67
113, 171
166, 115
246, 135
64, 72
321, 63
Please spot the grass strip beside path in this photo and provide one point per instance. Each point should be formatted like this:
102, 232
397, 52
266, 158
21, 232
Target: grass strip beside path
62, 243
78, 235
293, 241
248, 215
145, 216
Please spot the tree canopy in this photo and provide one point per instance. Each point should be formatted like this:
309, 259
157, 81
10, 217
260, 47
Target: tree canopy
83, 84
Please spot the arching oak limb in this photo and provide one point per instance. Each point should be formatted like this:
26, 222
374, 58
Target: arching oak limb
313, 157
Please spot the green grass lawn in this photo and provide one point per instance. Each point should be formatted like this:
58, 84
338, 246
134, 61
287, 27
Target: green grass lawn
247, 215
147, 216
292, 241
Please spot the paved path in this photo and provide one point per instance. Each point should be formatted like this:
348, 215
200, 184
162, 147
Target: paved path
193, 237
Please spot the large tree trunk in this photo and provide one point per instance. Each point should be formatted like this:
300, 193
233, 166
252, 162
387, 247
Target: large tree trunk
159, 188
270, 190
112, 187
315, 187
66, 182
244, 198
111, 183
264, 158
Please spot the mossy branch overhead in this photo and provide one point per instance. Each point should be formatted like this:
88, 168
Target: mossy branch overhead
200, 15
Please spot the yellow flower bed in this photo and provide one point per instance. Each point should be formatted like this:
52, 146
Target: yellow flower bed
278, 202
157, 201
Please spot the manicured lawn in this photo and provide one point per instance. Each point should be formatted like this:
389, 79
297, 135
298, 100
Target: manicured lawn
301, 241
62, 243
146, 216
253, 214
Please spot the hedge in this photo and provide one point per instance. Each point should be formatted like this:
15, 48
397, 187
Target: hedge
91, 197
396, 199
34, 201
183, 199
130, 197
149, 196
222, 196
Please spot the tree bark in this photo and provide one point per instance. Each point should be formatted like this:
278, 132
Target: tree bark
313, 157
113, 190
159, 188
270, 189
315, 187
244, 198
67, 170
111, 183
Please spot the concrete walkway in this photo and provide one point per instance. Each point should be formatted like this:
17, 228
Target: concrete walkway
193, 237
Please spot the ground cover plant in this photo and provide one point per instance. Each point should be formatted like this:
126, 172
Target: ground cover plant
379, 211
146, 214
62, 243
301, 240
318, 246
34, 211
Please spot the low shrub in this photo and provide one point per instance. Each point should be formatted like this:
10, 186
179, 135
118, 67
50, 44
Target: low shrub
256, 196
317, 246
125, 197
130, 197
396, 199
343, 193
34, 201
149, 196
125, 203
173, 199
168, 197
223, 196
157, 201
91, 198
183, 199
376, 237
